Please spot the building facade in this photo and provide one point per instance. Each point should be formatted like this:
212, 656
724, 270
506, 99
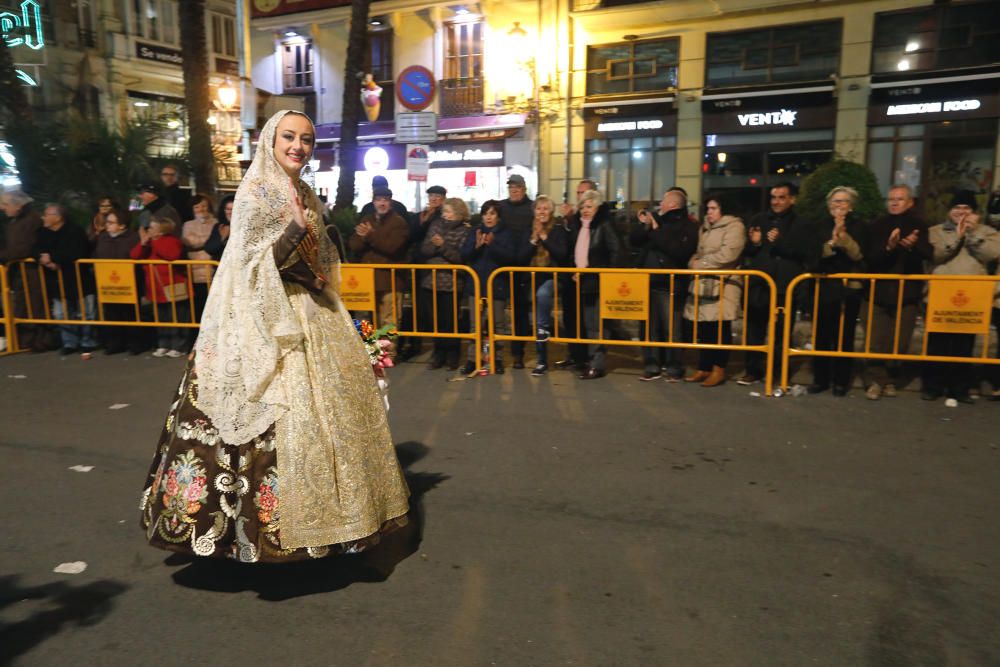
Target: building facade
121, 59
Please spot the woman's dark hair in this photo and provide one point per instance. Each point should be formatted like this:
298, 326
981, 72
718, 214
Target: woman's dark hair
108, 198
198, 199
122, 215
489, 204
221, 214
722, 199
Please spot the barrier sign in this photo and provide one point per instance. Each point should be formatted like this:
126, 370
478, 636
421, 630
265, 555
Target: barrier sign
115, 282
624, 296
416, 162
357, 288
959, 306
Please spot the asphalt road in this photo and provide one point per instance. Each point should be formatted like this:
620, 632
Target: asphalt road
557, 522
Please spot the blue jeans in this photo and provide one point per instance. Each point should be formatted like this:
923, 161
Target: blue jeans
73, 336
544, 303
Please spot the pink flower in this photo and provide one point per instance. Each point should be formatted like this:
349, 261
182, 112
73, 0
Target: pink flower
172, 486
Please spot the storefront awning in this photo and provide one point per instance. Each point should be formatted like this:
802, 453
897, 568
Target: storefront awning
462, 125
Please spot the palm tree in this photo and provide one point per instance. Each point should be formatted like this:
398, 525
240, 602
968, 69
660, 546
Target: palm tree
196, 95
357, 43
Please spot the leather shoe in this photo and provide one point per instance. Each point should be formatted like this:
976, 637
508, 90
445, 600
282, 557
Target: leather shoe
816, 388
518, 363
839, 390
715, 378
697, 377
592, 374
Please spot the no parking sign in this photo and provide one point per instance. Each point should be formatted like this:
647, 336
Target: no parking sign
415, 88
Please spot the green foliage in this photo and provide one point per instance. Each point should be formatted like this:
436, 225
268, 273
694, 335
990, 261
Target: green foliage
75, 160
345, 220
811, 203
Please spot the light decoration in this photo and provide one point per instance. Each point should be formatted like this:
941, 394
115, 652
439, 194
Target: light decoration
24, 29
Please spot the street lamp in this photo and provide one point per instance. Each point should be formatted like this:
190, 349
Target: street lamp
227, 95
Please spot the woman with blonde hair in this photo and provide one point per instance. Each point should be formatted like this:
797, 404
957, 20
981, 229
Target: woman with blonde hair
443, 245
277, 446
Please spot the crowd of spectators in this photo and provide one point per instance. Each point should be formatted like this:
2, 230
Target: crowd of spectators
519, 231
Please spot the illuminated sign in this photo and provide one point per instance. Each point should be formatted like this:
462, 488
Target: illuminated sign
470, 155
376, 159
932, 107
25, 29
783, 117
629, 125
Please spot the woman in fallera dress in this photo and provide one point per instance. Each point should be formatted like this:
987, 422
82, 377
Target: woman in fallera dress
276, 446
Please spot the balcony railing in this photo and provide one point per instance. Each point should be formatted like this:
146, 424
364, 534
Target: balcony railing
462, 97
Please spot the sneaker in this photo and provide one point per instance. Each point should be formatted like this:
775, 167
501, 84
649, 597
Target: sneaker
874, 391
160, 352
173, 354
889, 391
539, 370
747, 379
649, 376
542, 335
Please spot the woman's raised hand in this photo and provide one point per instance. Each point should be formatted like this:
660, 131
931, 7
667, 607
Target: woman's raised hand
298, 212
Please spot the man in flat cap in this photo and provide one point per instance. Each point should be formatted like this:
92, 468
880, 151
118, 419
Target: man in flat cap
155, 206
381, 238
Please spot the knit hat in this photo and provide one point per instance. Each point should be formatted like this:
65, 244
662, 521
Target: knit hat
964, 198
380, 181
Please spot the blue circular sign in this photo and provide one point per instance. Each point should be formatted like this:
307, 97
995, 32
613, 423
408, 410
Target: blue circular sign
415, 88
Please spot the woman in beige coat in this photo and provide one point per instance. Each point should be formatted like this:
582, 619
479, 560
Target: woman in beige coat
715, 301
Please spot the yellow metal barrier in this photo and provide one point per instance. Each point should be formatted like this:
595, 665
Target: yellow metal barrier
358, 292
971, 311
145, 315
7, 307
766, 348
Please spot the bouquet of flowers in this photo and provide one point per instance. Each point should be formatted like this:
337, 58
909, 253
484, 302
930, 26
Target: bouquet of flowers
379, 345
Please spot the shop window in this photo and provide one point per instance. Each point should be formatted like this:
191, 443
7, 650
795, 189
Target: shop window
634, 172
943, 36
462, 87
223, 35
804, 52
934, 159
632, 67
156, 20
297, 63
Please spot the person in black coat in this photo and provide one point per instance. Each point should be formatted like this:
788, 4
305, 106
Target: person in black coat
897, 243
593, 243
665, 239
488, 247
217, 240
60, 244
783, 246
115, 242
174, 194
839, 301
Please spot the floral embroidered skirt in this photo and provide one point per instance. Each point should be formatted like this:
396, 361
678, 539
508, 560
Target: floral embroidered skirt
208, 498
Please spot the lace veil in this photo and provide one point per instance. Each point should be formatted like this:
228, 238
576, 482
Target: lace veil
249, 323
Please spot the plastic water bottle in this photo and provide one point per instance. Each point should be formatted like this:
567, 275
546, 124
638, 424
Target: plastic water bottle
485, 367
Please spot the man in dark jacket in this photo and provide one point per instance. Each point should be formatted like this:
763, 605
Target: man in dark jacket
782, 246
518, 213
419, 223
665, 239
381, 239
897, 243
60, 244
154, 205
368, 209
175, 195
21, 233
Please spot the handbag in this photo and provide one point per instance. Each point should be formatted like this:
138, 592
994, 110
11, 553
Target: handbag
176, 291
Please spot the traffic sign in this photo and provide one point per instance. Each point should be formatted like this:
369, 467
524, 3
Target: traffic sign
417, 162
415, 88
416, 127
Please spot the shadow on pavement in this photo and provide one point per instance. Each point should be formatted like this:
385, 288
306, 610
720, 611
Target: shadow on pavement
291, 580
64, 605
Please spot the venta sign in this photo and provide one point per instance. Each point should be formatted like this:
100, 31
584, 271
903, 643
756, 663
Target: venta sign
783, 117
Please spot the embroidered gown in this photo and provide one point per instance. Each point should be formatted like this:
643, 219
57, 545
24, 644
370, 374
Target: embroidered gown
323, 477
